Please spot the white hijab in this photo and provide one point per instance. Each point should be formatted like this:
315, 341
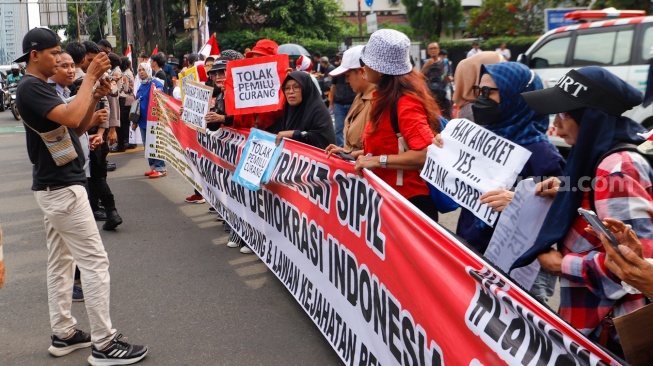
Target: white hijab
148, 70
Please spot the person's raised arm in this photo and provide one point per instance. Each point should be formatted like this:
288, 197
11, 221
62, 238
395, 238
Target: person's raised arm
72, 115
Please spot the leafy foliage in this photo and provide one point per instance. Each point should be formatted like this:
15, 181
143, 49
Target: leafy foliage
304, 18
506, 18
428, 17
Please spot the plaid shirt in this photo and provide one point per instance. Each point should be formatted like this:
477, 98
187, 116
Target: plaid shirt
587, 289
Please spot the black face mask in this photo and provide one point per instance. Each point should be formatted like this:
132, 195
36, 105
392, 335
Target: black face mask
216, 90
486, 111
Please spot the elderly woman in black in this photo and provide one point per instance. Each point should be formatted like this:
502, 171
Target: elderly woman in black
305, 117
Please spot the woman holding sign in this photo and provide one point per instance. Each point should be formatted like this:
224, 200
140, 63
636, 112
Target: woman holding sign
157, 167
402, 106
501, 109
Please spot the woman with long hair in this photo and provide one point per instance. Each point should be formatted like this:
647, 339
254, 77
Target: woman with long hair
401, 95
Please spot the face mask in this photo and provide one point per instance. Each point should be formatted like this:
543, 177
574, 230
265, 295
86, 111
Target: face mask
486, 111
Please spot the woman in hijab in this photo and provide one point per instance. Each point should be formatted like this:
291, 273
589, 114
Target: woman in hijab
305, 117
466, 76
157, 167
500, 108
605, 173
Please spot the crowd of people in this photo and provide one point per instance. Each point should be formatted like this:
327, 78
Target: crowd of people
386, 113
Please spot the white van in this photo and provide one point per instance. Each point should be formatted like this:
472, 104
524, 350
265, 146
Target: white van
622, 46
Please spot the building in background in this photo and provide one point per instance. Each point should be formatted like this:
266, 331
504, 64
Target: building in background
13, 26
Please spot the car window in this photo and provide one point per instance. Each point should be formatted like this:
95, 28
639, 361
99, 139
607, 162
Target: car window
603, 49
551, 54
647, 43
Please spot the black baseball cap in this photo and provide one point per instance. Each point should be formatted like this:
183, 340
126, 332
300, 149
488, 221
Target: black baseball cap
38, 39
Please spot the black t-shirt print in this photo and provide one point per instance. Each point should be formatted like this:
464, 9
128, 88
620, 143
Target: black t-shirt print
35, 98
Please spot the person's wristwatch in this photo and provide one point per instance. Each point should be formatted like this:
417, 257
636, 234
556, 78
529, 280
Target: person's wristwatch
383, 159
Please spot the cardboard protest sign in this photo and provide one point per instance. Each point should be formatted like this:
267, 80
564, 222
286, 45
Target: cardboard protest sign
473, 161
196, 104
258, 160
253, 85
516, 231
185, 76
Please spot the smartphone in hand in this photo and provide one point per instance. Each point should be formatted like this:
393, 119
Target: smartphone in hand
596, 223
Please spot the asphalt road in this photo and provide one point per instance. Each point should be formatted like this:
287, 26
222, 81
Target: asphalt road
175, 285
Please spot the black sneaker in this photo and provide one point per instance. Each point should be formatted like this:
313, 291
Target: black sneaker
118, 353
61, 347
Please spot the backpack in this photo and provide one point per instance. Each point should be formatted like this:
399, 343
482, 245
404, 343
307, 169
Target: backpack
618, 147
443, 202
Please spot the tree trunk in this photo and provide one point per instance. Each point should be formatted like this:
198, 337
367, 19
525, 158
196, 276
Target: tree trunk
163, 23
141, 31
439, 20
150, 26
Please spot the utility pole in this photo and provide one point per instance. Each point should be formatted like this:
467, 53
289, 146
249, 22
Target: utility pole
360, 21
193, 17
109, 19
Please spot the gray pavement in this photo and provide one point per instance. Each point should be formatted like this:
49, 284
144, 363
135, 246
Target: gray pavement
175, 284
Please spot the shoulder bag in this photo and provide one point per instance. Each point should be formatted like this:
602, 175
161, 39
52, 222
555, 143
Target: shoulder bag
59, 144
135, 111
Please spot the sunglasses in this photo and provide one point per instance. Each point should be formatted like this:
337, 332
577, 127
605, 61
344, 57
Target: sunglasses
361, 62
483, 90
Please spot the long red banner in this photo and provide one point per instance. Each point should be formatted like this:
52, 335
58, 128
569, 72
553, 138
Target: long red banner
384, 284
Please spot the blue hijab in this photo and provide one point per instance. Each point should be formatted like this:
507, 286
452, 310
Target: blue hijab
519, 123
598, 131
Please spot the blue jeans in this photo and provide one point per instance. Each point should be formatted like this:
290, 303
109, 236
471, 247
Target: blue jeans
340, 112
544, 286
156, 164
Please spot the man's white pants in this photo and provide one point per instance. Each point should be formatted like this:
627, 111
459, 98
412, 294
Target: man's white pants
73, 238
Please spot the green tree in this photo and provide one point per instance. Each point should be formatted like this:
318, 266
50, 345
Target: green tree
428, 17
304, 18
502, 18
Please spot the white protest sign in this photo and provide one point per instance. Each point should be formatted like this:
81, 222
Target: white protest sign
516, 231
256, 161
256, 85
197, 101
186, 76
473, 161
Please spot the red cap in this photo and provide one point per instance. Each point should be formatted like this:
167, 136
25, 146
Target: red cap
264, 47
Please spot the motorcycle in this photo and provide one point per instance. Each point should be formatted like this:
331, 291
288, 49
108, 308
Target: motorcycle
5, 97
14, 108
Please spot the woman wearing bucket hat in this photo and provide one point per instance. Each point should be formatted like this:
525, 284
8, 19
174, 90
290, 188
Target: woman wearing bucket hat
605, 173
401, 96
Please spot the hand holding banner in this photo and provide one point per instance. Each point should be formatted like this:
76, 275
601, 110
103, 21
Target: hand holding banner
196, 103
473, 161
253, 85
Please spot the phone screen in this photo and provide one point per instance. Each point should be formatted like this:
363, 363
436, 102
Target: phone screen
596, 223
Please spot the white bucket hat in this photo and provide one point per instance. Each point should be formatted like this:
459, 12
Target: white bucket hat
387, 52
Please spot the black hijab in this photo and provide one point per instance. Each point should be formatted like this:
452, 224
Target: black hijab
311, 117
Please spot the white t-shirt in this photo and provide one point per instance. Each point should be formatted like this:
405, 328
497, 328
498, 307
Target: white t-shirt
505, 53
472, 52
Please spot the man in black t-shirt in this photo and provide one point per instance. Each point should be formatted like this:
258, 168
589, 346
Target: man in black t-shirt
71, 231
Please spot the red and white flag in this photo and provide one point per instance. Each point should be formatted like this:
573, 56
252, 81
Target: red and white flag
128, 52
210, 48
156, 50
304, 63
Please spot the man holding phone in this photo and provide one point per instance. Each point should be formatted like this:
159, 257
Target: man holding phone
71, 232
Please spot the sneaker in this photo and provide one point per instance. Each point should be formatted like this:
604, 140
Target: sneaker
246, 250
117, 353
61, 347
212, 210
78, 294
196, 198
232, 244
149, 172
158, 174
